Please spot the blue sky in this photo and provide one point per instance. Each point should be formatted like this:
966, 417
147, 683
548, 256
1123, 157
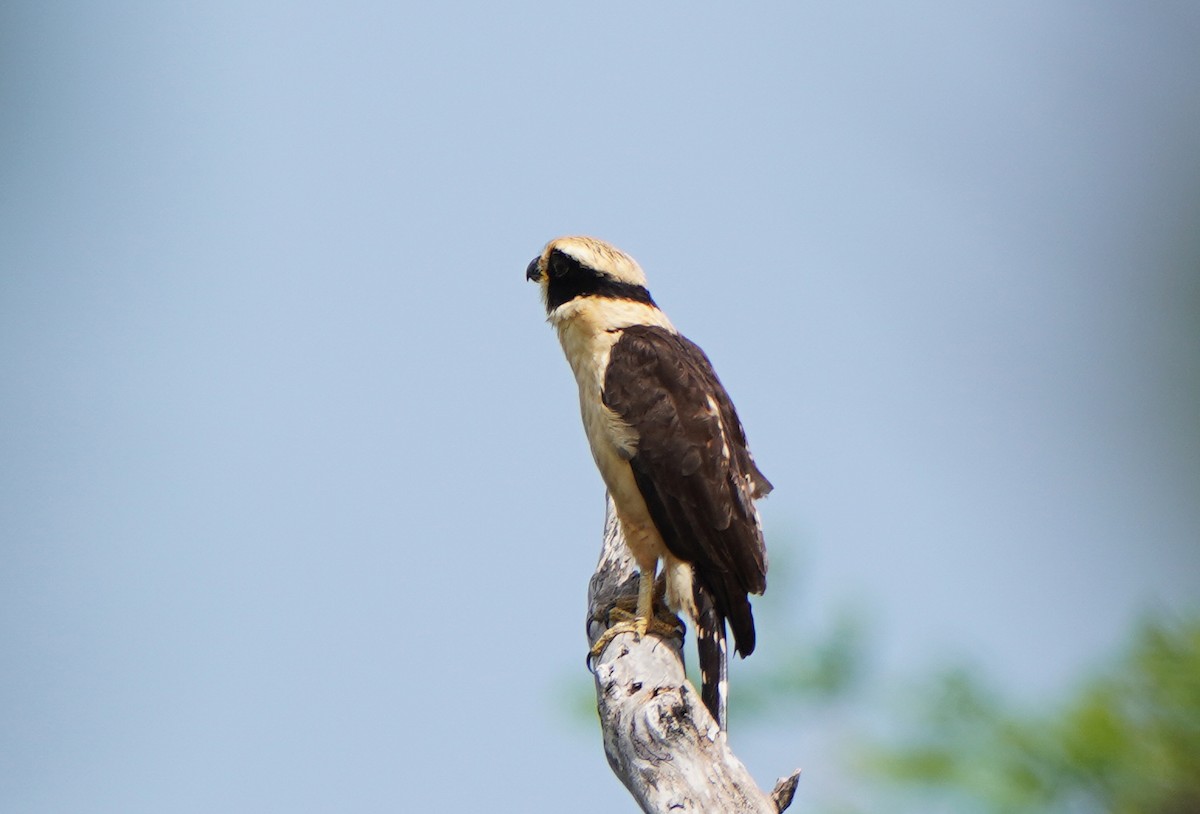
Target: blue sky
297, 511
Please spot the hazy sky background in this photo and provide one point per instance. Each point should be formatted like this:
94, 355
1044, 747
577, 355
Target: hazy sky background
296, 510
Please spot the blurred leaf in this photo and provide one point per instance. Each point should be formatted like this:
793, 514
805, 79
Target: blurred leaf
1127, 743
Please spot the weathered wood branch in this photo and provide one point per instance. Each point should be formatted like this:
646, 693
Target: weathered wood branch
660, 739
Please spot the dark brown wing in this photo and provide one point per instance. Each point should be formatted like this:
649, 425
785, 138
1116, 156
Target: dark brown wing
692, 466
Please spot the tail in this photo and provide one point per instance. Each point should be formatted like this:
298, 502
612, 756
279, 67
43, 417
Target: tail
713, 656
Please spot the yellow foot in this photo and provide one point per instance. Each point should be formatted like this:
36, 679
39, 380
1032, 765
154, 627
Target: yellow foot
622, 621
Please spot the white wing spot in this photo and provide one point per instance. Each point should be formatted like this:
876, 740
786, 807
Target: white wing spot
716, 413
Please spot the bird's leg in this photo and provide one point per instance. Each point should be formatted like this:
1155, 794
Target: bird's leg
638, 623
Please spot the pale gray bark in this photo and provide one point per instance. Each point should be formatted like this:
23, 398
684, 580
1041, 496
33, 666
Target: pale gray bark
660, 739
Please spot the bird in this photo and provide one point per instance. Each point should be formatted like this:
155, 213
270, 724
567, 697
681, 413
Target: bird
670, 448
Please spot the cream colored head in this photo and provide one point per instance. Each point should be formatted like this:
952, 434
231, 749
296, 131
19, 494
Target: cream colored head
572, 267
599, 256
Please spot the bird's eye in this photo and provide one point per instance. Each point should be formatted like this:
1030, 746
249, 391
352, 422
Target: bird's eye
561, 263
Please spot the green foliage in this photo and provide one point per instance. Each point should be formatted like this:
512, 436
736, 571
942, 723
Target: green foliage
1128, 743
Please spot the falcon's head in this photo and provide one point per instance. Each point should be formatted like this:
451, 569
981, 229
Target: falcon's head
573, 267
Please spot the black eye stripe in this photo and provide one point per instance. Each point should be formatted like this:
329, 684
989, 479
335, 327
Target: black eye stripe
570, 279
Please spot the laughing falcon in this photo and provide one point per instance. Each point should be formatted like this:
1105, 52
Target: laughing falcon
669, 447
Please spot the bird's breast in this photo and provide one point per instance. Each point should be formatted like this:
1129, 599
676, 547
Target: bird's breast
612, 441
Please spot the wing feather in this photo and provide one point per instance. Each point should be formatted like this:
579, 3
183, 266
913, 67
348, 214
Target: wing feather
692, 465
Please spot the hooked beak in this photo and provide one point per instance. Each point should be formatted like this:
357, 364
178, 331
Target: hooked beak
533, 271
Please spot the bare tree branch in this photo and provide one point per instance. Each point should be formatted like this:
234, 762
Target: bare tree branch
660, 739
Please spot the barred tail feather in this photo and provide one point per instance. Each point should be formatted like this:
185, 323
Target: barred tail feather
713, 656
